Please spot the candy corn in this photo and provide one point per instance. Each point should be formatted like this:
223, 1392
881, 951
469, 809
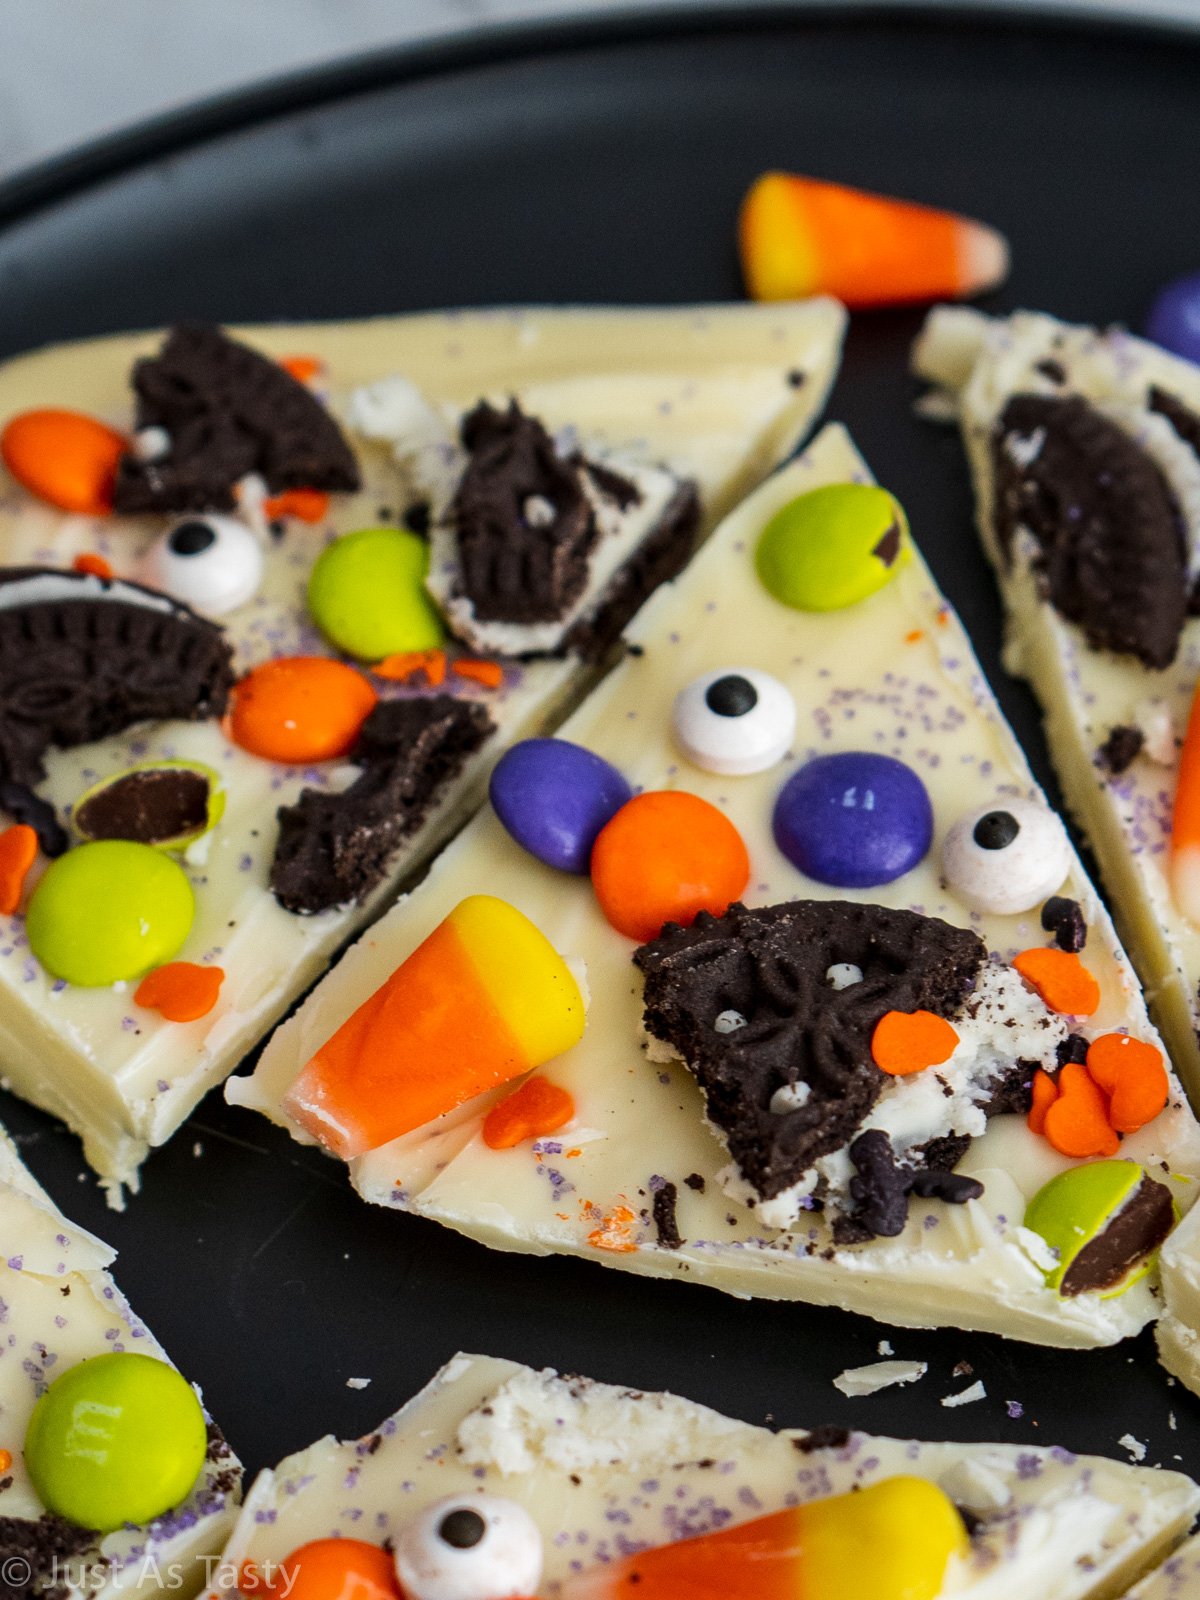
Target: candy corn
1185, 823
800, 237
892, 1541
484, 1000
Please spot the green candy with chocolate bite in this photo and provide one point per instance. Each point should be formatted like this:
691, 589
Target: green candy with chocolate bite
167, 804
1106, 1221
833, 547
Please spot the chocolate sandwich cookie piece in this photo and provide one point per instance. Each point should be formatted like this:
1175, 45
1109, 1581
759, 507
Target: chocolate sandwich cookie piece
82, 658
227, 411
661, 556
747, 1002
524, 523
36, 1556
1109, 531
334, 848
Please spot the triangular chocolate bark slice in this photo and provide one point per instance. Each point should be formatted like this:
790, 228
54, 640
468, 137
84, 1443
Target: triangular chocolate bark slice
756, 1002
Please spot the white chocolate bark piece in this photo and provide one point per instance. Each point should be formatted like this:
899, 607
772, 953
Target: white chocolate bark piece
894, 673
978, 364
1177, 1579
61, 1307
604, 1471
718, 395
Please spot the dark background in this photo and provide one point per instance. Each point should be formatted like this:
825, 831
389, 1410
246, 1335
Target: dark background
598, 163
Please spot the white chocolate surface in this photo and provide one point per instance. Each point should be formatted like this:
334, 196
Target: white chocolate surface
704, 390
603, 1470
894, 673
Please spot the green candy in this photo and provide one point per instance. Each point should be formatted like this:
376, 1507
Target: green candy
108, 911
1075, 1208
120, 1438
367, 594
832, 547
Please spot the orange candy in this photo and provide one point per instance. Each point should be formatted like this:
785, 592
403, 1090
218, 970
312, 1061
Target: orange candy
303, 368
406, 664
306, 505
1133, 1076
664, 857
1077, 1124
181, 990
92, 564
909, 1041
538, 1107
5, 1461
300, 708
18, 852
1045, 1093
327, 1569
64, 457
490, 674
800, 236
1061, 979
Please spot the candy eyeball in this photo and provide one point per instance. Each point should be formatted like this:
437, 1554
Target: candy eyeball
470, 1547
734, 722
212, 563
1007, 857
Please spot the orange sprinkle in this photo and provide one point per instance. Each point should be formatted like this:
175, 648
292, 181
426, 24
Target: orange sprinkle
572, 1153
5, 1460
306, 505
303, 368
1077, 1123
300, 708
65, 458
910, 1041
1133, 1076
536, 1108
943, 616
1045, 1093
18, 851
93, 564
181, 990
488, 673
1061, 979
406, 664
615, 1231
917, 633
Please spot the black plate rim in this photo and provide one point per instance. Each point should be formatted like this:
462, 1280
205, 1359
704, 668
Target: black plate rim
158, 137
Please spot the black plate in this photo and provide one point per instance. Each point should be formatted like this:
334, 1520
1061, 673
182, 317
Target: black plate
598, 163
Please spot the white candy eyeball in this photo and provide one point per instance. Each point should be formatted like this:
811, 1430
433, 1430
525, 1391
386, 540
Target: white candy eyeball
734, 722
472, 1546
1007, 857
212, 563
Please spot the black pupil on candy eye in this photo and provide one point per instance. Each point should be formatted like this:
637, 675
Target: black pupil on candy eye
996, 830
189, 538
462, 1529
731, 696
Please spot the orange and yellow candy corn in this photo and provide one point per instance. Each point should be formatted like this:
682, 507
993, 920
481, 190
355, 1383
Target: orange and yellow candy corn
800, 236
484, 1000
1185, 823
892, 1541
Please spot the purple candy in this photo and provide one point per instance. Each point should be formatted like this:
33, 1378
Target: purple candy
1174, 320
854, 820
554, 797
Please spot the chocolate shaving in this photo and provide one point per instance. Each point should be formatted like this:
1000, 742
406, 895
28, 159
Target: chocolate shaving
1054, 370
613, 485
229, 411
769, 965
92, 663
1121, 749
334, 848
1109, 531
888, 547
1064, 919
666, 1225
1138, 1228
524, 524
827, 1436
1073, 1048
